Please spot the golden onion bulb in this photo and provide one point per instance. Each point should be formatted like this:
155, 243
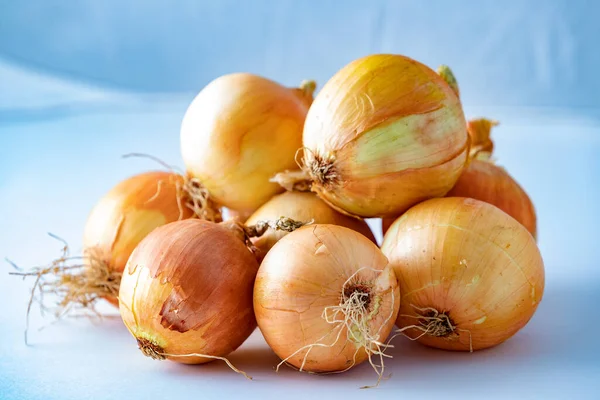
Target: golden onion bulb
471, 276
186, 292
301, 206
385, 133
238, 132
325, 299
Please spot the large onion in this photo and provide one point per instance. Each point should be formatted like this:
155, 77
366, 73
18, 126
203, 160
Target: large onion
238, 132
187, 290
470, 275
301, 207
325, 299
385, 133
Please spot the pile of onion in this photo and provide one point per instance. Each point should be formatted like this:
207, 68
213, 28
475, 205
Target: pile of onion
470, 275
116, 225
301, 206
238, 132
385, 133
186, 292
326, 299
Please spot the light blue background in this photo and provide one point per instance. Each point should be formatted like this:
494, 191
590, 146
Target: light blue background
83, 82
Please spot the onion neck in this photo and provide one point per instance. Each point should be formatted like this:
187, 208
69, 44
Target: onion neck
480, 130
246, 232
298, 181
306, 91
447, 75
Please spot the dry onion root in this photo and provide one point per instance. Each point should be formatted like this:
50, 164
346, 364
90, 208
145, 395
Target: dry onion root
385, 133
238, 132
115, 226
325, 299
470, 275
301, 207
186, 292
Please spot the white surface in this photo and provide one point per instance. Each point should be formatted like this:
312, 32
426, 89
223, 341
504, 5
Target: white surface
53, 169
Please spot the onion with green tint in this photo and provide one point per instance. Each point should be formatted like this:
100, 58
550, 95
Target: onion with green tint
386, 132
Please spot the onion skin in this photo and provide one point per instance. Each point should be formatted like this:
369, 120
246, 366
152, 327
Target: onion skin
301, 206
187, 288
385, 133
485, 181
304, 273
128, 212
238, 132
479, 131
471, 261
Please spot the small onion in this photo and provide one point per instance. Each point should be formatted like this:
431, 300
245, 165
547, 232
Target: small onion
325, 299
301, 207
238, 132
470, 275
385, 133
186, 292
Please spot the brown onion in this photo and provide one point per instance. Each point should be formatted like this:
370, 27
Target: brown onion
470, 275
238, 132
186, 293
301, 207
385, 133
325, 299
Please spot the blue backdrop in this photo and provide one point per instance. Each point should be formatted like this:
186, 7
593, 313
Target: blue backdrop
506, 53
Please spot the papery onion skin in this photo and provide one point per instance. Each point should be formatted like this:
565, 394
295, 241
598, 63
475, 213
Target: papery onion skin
128, 212
385, 133
471, 261
238, 132
187, 288
301, 206
304, 273
485, 181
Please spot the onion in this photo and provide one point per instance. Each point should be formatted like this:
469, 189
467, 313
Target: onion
325, 299
238, 132
385, 133
485, 181
188, 289
301, 207
186, 292
118, 222
470, 275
